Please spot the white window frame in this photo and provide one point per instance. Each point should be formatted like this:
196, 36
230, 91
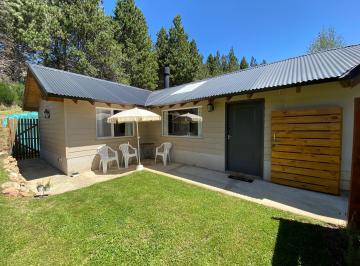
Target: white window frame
200, 129
112, 125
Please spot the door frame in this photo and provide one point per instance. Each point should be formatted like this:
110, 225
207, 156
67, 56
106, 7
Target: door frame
262, 104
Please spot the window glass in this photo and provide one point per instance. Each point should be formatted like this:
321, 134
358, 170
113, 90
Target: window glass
123, 129
103, 128
184, 122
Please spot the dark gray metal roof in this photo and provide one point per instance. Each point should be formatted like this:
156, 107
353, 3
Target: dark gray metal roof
61, 83
323, 66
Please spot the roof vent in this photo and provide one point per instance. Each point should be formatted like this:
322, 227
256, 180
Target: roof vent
166, 77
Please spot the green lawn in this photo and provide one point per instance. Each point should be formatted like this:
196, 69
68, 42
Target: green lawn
148, 219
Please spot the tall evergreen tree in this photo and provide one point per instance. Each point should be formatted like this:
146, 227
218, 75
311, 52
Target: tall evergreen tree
253, 62
218, 66
223, 63
82, 40
210, 63
162, 50
141, 63
182, 55
243, 64
71, 35
22, 22
214, 65
233, 63
196, 59
203, 72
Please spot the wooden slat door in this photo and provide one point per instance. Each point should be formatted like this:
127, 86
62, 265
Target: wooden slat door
306, 148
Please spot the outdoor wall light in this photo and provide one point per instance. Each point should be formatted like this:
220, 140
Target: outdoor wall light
210, 107
47, 113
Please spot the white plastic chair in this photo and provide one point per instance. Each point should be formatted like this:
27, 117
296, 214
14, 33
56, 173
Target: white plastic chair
126, 155
107, 155
165, 153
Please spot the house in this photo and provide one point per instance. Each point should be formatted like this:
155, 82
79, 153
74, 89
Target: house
290, 122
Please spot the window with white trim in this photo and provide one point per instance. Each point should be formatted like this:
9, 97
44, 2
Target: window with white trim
107, 130
182, 122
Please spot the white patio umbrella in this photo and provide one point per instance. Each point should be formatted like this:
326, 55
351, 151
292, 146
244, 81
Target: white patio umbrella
135, 115
192, 117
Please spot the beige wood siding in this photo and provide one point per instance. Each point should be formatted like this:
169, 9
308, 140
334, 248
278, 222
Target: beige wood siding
81, 141
52, 134
207, 150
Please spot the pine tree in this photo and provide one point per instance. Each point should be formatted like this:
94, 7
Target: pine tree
214, 65
71, 35
22, 31
141, 62
263, 62
253, 62
182, 56
162, 50
196, 59
218, 66
233, 63
82, 41
223, 64
203, 72
210, 63
244, 64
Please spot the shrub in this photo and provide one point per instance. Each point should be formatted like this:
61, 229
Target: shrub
11, 93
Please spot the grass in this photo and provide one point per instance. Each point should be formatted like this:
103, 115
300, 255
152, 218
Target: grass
149, 219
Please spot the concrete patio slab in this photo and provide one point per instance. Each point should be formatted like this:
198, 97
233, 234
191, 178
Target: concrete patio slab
37, 171
324, 207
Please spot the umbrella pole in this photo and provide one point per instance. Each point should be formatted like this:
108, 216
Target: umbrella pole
139, 166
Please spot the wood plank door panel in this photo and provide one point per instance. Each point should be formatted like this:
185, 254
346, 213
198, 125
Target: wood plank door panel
306, 148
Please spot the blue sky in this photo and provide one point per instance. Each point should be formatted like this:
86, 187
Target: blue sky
270, 30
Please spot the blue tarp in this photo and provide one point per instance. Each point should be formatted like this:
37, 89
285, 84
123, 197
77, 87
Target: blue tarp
25, 115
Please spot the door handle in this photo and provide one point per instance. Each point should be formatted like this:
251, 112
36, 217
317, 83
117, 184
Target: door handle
228, 137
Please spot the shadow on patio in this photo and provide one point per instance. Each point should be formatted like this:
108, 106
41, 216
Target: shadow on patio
32, 169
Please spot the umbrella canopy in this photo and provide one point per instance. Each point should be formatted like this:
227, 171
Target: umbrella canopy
192, 117
134, 115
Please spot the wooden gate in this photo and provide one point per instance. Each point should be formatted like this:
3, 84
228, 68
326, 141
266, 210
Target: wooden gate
27, 140
306, 148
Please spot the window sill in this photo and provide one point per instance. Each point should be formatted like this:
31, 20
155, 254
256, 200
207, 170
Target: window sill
185, 137
120, 137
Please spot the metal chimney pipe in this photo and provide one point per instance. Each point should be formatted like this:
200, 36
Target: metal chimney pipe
166, 77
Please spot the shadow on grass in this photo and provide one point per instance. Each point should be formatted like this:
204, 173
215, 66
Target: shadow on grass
299, 243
